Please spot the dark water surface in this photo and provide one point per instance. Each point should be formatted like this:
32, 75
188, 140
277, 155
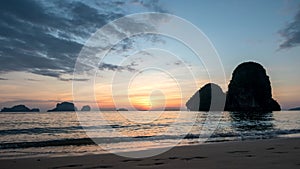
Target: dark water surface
62, 133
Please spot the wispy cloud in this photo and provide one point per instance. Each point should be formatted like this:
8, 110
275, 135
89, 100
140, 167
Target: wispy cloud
291, 33
73, 79
33, 80
112, 67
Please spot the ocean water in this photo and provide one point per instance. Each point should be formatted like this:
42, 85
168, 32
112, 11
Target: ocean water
71, 133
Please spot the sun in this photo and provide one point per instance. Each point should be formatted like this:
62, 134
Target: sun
141, 103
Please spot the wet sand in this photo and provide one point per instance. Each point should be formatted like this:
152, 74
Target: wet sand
273, 153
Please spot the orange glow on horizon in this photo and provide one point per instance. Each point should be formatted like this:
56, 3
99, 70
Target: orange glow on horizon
141, 103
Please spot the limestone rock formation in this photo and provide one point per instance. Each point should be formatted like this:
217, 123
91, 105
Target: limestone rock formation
19, 108
250, 89
209, 98
64, 106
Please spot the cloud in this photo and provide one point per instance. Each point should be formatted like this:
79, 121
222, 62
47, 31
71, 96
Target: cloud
291, 33
150, 4
45, 37
177, 63
112, 67
3, 78
33, 80
73, 79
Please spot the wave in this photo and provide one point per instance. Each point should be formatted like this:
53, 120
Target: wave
215, 137
39, 130
82, 141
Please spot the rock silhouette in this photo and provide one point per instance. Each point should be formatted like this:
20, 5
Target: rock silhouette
250, 89
202, 100
19, 108
64, 106
35, 110
86, 108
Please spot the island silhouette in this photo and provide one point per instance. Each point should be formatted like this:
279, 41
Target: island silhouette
201, 100
64, 106
86, 108
248, 90
19, 108
122, 109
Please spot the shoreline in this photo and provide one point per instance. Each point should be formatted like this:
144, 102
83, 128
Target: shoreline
100, 151
266, 153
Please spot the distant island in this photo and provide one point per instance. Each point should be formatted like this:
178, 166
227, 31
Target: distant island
64, 106
107, 109
86, 108
19, 108
294, 109
122, 109
248, 90
172, 109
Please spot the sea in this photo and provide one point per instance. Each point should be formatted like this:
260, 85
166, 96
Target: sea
54, 134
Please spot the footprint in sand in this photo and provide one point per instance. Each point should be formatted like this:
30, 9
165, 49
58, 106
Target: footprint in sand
100, 166
238, 151
173, 158
250, 155
153, 164
68, 166
192, 158
271, 148
280, 152
131, 160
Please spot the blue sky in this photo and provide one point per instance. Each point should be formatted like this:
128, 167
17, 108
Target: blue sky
40, 41
250, 30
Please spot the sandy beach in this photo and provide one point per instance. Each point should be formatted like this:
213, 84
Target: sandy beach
274, 153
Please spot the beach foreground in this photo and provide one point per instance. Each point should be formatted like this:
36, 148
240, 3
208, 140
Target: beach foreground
274, 153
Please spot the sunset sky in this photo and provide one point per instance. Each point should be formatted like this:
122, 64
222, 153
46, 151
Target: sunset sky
41, 40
